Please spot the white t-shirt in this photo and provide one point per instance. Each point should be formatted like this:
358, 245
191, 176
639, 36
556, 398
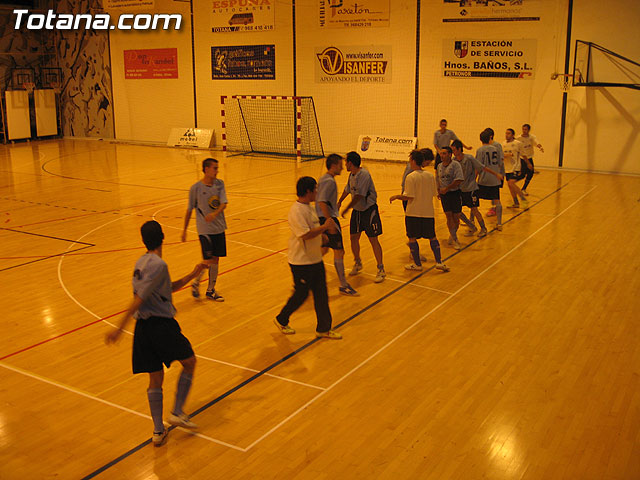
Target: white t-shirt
512, 151
420, 185
527, 144
302, 218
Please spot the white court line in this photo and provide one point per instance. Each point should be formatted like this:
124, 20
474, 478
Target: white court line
111, 404
410, 327
412, 284
257, 371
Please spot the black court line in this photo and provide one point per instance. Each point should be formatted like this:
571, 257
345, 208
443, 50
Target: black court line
312, 342
86, 245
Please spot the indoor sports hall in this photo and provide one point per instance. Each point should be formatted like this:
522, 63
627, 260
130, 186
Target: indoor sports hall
521, 362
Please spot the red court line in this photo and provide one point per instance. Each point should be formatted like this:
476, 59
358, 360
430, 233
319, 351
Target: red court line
122, 311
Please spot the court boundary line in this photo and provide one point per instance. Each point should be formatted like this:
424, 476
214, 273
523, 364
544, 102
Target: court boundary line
349, 319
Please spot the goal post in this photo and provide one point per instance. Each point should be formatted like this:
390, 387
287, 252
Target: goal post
272, 125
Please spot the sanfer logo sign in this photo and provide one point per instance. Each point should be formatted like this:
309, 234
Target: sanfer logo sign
331, 60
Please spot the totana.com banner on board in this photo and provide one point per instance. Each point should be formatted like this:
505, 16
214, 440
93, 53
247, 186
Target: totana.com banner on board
243, 15
491, 58
347, 14
382, 147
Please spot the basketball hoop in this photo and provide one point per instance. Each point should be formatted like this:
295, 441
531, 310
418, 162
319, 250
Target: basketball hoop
563, 80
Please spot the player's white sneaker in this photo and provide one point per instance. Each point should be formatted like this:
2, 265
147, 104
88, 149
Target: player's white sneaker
525, 193
181, 420
380, 276
514, 205
456, 245
160, 439
442, 266
357, 268
414, 267
483, 233
499, 227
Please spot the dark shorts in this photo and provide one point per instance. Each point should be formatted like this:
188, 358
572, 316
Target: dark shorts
420, 227
452, 201
367, 221
335, 239
489, 193
213, 245
470, 199
525, 167
515, 176
157, 341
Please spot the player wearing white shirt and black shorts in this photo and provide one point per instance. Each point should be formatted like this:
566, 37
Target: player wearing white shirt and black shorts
419, 190
528, 142
512, 151
305, 261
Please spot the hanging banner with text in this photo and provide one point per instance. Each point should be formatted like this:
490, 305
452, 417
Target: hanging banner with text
156, 63
466, 11
243, 16
243, 62
379, 147
353, 64
364, 13
489, 58
128, 4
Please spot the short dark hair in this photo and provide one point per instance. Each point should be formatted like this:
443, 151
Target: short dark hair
305, 185
513, 132
207, 162
527, 125
427, 153
417, 156
485, 136
490, 130
444, 120
448, 149
152, 235
354, 158
332, 159
457, 143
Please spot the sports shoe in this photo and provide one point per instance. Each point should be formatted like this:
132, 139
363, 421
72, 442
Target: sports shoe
414, 267
499, 227
525, 204
450, 240
442, 266
380, 276
483, 233
331, 334
195, 290
456, 245
215, 296
471, 232
514, 205
525, 193
349, 291
491, 212
181, 420
160, 439
285, 329
357, 268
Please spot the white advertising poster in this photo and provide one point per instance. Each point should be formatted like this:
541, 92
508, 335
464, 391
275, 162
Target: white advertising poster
243, 15
190, 137
490, 58
344, 14
128, 4
468, 11
382, 147
353, 64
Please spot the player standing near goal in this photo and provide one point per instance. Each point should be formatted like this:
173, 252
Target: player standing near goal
327, 207
528, 142
490, 179
305, 261
512, 150
365, 216
419, 190
157, 339
209, 198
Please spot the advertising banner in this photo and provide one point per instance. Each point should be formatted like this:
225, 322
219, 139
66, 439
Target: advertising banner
364, 13
153, 63
128, 4
382, 147
353, 64
504, 58
491, 11
243, 15
190, 137
243, 62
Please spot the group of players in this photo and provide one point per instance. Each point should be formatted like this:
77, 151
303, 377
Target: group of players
158, 339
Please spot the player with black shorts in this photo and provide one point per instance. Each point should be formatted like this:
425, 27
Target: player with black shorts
209, 199
449, 179
469, 187
420, 188
528, 142
365, 216
327, 207
512, 153
490, 179
157, 339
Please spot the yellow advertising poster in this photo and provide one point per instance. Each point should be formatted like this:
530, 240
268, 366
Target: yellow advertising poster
351, 14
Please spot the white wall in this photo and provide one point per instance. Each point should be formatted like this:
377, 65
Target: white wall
603, 123
147, 109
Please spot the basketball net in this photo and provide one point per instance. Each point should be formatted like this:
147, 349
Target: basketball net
565, 82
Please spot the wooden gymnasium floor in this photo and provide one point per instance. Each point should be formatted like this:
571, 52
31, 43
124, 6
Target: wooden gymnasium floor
523, 362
